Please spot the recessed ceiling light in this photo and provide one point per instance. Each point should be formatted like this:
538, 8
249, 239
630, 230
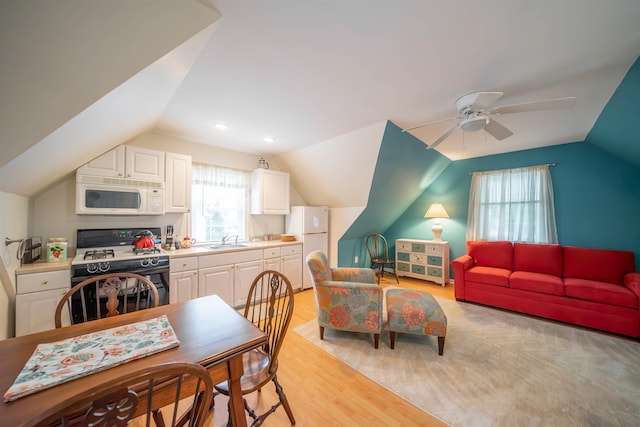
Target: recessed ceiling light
269, 139
221, 126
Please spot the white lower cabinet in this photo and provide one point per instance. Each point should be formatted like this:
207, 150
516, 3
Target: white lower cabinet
245, 273
272, 259
229, 275
183, 284
217, 281
291, 265
37, 297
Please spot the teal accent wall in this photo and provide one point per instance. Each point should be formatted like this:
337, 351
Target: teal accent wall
404, 170
615, 130
596, 194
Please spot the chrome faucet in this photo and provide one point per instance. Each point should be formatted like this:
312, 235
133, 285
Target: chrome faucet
227, 238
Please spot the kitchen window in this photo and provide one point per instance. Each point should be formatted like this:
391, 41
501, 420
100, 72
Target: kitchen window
512, 204
220, 200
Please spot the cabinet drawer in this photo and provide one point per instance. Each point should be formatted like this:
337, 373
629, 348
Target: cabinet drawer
403, 245
434, 272
434, 250
184, 264
45, 281
434, 260
417, 247
291, 250
403, 266
418, 259
229, 258
272, 252
417, 269
403, 256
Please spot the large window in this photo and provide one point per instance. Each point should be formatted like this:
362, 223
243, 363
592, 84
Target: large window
219, 202
512, 204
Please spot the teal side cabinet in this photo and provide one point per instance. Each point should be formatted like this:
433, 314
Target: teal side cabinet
423, 259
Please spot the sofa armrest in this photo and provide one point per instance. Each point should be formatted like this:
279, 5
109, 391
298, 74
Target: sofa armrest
460, 265
632, 281
344, 274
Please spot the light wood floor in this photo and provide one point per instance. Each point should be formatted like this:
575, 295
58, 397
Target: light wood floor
323, 391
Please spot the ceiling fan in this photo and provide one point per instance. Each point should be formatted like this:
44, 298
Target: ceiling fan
475, 110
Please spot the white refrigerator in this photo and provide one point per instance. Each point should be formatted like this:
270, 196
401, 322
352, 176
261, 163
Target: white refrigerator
310, 225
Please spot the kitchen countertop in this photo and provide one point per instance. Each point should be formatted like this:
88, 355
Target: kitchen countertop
44, 266
206, 250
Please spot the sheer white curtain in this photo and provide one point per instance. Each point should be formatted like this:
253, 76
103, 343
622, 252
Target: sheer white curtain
512, 204
219, 202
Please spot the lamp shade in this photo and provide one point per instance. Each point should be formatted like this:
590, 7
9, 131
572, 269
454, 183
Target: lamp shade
436, 210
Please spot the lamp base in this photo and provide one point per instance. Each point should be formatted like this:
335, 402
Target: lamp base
436, 229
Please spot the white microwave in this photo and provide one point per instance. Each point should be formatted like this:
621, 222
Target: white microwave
97, 195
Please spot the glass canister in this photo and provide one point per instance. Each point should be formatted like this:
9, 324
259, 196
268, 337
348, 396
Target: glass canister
56, 249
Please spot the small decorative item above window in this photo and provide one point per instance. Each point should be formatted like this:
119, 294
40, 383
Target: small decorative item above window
263, 164
437, 211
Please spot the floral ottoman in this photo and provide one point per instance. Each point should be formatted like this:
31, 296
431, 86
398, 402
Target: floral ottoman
415, 312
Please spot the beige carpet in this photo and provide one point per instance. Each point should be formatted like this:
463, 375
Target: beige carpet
501, 369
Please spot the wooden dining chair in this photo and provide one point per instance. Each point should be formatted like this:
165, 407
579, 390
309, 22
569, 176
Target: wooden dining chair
106, 295
183, 390
270, 307
379, 255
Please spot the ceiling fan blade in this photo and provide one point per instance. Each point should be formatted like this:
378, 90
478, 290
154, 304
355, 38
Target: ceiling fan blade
549, 104
429, 124
443, 137
477, 101
496, 130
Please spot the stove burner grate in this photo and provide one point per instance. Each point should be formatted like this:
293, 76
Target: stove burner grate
99, 254
146, 251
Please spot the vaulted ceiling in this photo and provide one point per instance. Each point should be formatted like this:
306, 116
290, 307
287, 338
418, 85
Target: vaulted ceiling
81, 77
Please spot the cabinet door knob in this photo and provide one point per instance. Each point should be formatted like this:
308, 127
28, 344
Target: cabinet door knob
44, 282
184, 264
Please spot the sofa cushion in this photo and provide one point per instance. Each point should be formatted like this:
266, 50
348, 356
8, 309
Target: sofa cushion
488, 275
491, 254
538, 258
600, 265
537, 282
603, 292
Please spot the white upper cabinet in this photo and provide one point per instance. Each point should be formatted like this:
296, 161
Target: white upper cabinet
144, 164
178, 183
110, 164
127, 162
270, 192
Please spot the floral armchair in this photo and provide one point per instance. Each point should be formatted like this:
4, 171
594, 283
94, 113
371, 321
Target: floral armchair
347, 299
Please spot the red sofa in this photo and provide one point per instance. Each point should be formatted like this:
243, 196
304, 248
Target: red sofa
597, 288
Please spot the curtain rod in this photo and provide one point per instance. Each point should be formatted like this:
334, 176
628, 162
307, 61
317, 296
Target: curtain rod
532, 166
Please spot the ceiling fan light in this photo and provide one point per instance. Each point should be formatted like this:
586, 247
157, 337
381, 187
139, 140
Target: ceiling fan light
474, 123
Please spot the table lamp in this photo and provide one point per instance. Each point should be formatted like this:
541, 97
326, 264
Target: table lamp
437, 211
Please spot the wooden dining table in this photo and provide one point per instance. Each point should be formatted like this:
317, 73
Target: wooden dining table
211, 333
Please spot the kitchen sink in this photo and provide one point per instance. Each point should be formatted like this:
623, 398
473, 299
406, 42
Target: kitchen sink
239, 245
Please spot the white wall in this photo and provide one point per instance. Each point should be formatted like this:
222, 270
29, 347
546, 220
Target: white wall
13, 224
337, 172
340, 219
